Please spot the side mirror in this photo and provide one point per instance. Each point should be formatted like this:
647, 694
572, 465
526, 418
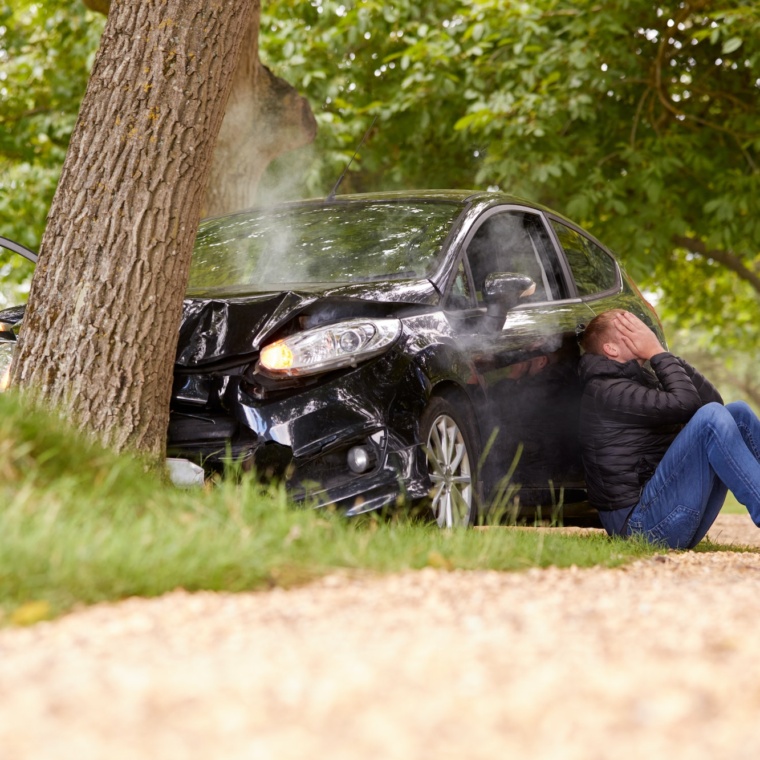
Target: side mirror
6, 333
503, 291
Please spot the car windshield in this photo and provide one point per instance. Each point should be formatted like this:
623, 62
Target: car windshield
310, 245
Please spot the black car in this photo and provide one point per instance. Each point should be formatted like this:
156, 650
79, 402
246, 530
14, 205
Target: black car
390, 349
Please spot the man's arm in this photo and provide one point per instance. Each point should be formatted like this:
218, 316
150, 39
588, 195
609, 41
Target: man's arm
645, 345
637, 402
707, 391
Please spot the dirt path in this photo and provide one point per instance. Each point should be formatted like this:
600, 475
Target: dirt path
661, 659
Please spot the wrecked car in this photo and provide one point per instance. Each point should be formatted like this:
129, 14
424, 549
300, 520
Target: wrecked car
389, 348
380, 350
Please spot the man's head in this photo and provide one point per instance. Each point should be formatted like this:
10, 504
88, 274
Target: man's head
602, 337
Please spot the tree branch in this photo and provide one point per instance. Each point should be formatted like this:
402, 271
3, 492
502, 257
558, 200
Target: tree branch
25, 115
637, 117
728, 259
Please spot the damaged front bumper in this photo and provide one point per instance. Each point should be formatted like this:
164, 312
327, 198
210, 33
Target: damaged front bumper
345, 441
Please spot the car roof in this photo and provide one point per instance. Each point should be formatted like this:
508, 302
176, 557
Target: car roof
460, 197
456, 196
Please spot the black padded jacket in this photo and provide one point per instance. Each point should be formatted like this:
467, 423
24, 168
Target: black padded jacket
629, 417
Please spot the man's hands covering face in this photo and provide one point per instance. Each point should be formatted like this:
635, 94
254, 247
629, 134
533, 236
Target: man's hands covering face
637, 336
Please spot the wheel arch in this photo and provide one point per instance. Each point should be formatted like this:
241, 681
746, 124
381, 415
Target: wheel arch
436, 369
457, 396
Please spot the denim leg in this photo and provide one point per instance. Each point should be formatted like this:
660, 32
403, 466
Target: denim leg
748, 424
749, 427
716, 449
736, 459
711, 511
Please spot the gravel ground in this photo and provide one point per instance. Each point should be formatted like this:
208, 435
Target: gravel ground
658, 659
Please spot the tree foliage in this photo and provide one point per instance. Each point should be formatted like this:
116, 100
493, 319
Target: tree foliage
46, 51
637, 119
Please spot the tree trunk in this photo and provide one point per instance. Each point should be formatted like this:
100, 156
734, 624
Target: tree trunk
265, 118
101, 326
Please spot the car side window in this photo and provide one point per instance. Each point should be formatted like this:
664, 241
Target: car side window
593, 268
512, 241
459, 296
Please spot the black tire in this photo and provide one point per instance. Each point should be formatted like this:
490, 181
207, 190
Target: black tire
452, 450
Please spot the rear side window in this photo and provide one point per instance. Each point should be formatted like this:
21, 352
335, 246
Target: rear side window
593, 268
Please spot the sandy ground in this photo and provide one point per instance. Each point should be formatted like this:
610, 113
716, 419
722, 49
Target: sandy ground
659, 659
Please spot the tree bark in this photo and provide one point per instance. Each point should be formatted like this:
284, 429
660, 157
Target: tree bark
101, 326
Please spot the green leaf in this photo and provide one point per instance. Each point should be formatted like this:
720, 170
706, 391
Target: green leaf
729, 46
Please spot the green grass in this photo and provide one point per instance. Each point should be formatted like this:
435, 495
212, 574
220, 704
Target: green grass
79, 525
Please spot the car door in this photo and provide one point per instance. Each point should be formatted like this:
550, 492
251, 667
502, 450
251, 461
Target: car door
525, 358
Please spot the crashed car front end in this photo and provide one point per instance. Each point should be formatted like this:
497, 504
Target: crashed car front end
342, 435
293, 358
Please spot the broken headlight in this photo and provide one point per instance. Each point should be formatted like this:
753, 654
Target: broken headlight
330, 347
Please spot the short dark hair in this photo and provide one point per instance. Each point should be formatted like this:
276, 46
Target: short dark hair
596, 333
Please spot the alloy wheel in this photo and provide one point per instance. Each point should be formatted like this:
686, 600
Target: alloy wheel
450, 473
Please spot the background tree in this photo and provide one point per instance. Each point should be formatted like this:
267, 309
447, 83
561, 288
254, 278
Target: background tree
733, 372
638, 119
101, 325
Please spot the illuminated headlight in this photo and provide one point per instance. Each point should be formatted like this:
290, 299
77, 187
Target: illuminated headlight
331, 347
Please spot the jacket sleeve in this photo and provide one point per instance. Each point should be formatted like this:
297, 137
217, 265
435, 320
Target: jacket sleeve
707, 391
637, 403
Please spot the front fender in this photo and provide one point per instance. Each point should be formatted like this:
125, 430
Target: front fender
432, 366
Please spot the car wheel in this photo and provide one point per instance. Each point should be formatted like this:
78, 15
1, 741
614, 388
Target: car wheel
452, 455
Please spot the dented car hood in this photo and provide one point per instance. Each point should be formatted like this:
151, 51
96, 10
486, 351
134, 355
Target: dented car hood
235, 327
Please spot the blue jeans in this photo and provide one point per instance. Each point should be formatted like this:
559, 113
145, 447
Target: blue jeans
718, 450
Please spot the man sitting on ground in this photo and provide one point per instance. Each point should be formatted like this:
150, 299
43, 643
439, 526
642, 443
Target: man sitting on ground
659, 448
